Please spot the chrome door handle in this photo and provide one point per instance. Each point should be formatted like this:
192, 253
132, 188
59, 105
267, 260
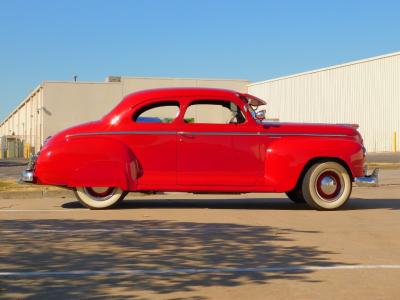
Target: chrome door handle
186, 134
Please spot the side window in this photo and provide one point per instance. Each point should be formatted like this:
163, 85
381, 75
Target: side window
213, 112
160, 112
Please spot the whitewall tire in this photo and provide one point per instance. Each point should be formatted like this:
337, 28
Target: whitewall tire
327, 186
99, 197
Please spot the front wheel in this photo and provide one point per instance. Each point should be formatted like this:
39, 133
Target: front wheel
326, 186
99, 197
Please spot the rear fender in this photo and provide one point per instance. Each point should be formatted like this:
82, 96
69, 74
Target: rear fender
286, 158
108, 163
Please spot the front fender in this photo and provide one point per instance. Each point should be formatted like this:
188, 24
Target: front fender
286, 158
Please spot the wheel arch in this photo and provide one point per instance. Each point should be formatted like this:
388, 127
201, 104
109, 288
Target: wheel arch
287, 159
322, 159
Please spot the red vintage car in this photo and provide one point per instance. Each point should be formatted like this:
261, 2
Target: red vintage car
201, 140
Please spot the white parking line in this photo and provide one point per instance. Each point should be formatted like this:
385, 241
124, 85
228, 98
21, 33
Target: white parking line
196, 271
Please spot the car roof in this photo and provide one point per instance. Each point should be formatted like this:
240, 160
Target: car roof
143, 95
182, 91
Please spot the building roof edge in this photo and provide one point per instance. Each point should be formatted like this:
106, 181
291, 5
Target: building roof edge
355, 62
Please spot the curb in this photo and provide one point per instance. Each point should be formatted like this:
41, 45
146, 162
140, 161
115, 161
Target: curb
383, 165
34, 194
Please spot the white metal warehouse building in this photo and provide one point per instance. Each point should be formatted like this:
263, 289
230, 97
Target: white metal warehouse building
365, 92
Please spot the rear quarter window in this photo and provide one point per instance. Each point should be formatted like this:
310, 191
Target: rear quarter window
160, 112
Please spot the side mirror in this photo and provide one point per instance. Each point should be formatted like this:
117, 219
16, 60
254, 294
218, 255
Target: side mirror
260, 115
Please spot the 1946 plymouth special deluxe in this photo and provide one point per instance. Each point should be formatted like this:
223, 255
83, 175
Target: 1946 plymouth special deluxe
201, 140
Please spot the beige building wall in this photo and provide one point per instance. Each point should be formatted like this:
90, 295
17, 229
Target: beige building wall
68, 103
23, 126
54, 106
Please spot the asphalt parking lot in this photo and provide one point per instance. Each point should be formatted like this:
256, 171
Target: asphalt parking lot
178, 246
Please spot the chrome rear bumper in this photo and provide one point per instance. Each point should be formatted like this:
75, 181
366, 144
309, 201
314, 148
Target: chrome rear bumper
368, 180
27, 176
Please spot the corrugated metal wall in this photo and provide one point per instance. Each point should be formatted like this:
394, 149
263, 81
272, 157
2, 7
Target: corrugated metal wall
365, 92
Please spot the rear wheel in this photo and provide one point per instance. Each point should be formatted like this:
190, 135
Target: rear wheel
326, 186
99, 197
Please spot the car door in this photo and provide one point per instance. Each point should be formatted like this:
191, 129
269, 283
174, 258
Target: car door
152, 140
217, 146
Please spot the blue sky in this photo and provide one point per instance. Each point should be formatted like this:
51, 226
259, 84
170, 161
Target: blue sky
255, 40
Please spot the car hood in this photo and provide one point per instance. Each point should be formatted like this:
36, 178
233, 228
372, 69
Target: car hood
310, 128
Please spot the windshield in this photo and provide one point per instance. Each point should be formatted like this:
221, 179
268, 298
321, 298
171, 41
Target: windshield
252, 109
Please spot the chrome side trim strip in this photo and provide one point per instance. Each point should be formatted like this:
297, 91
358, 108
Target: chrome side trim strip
306, 134
123, 133
207, 133
260, 134
217, 133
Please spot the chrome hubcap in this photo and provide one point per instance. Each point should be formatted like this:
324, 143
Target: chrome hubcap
328, 185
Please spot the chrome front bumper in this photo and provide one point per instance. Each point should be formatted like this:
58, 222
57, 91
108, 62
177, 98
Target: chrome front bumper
368, 180
27, 176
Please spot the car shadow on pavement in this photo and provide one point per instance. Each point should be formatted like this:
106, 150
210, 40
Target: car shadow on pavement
361, 204
245, 203
151, 246
242, 203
